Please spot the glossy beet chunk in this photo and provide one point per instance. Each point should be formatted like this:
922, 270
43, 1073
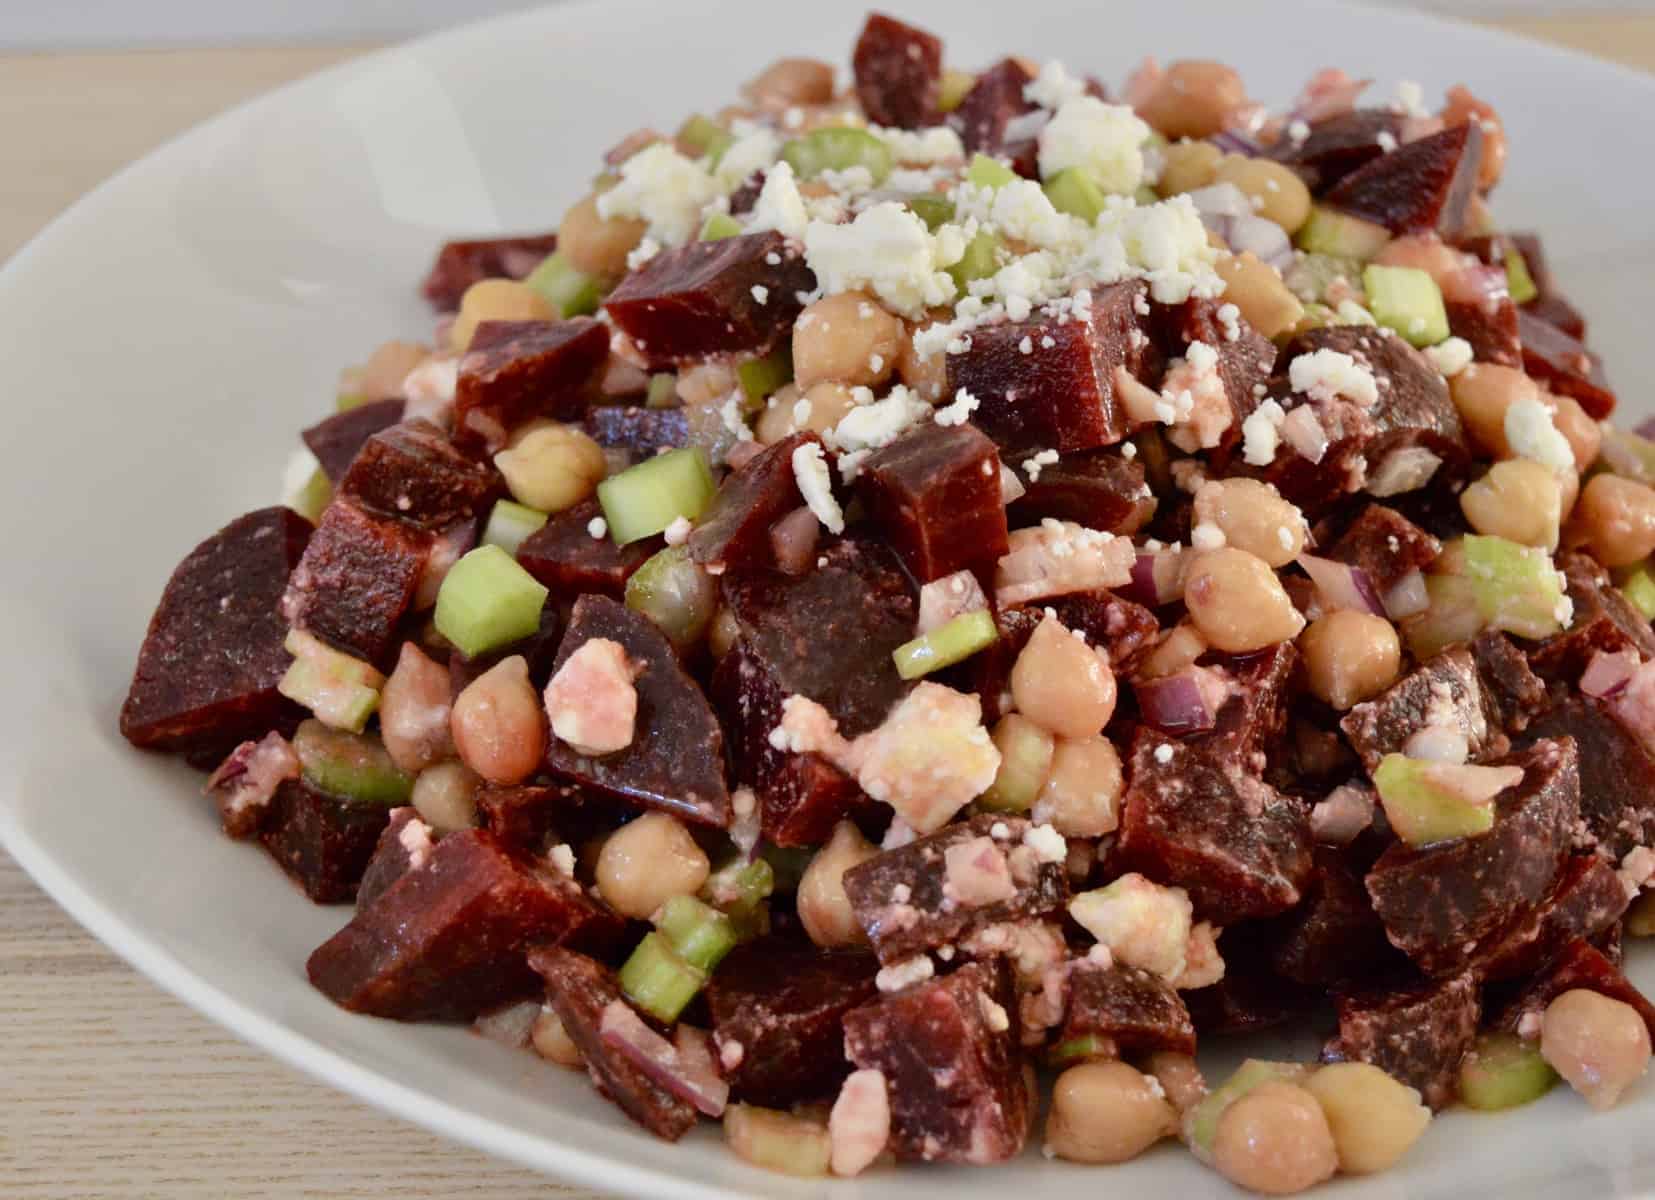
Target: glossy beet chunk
675, 761
640, 430
579, 989
698, 300
1244, 361
1437, 899
1385, 545
336, 440
323, 842
563, 555
777, 1009
949, 1051
1340, 144
906, 899
935, 496
450, 939
1617, 774
1062, 397
1251, 996
1564, 365
898, 72
1137, 1012
529, 817
1512, 693
1490, 326
1581, 965
1427, 184
1334, 939
994, 101
735, 529
411, 473
461, 264
1602, 620
1586, 901
1550, 306
1099, 489
1445, 692
1415, 1033
212, 657
397, 852
516, 371
357, 580
1251, 723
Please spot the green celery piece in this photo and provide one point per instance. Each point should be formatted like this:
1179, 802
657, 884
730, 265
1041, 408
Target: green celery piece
487, 601
313, 497
1422, 805
342, 691
739, 885
761, 378
1407, 300
1518, 280
1025, 760
1329, 231
980, 260
350, 766
1518, 589
943, 647
675, 592
657, 980
644, 499
700, 934
1311, 275
953, 88
510, 524
1080, 1049
718, 227
1628, 455
345, 401
1201, 1121
933, 208
572, 292
1639, 590
1454, 615
705, 137
986, 172
663, 391
838, 148
1503, 1071
1075, 192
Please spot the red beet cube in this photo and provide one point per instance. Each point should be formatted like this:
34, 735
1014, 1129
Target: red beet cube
935, 495
1385, 545
1417, 1034
1334, 939
1603, 619
411, 473
1511, 691
322, 841
898, 72
515, 371
735, 529
993, 102
461, 264
395, 854
1384, 724
1136, 1011
563, 555
336, 440
1617, 774
1581, 965
1587, 900
1340, 144
1424, 185
1564, 365
357, 580
1099, 489
1490, 327
1244, 361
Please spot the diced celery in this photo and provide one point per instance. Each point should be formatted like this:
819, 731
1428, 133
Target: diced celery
1201, 1121
719, 226
1075, 192
986, 172
644, 499
933, 208
1639, 590
1407, 300
350, 766
1518, 589
1080, 1049
565, 287
981, 259
1025, 760
1503, 1071
1311, 275
704, 136
487, 601
1453, 615
510, 524
1423, 807
761, 378
675, 592
657, 980
1640, 918
1518, 280
342, 691
1329, 231
943, 647
838, 148
312, 496
663, 391
739, 885
345, 401
700, 934
953, 88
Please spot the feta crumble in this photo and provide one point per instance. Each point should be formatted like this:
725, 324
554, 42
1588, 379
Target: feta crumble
678, 532
660, 186
810, 472
1105, 140
779, 207
597, 527
959, 411
1328, 374
1532, 435
1450, 356
887, 250
1261, 434
905, 973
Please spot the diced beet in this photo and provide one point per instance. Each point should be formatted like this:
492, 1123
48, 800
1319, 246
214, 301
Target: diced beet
699, 299
994, 101
1063, 396
1244, 364
1340, 144
525, 817
747, 195
1417, 1034
516, 371
898, 72
1582, 966
1512, 693
1251, 723
212, 657
735, 529
1447, 688
450, 939
777, 1008
563, 555
640, 430
1550, 305
1603, 620
935, 496
904, 898
949, 1051
1587, 900
1617, 774
579, 989
1562, 364
1490, 327
1436, 900
413, 474
1334, 939
322, 841
1195, 818
676, 759
391, 858
335, 440
461, 264
1249, 998
1386, 545
1424, 185
357, 580
1099, 489
1137, 1011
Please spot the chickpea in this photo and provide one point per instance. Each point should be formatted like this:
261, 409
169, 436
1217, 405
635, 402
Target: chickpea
1256, 288
1237, 603
846, 338
926, 375
793, 81
776, 421
1424, 252
1463, 108
1350, 656
1062, 684
824, 909
1082, 793
1188, 166
1517, 499
1275, 192
498, 727
1275, 1140
647, 862
1106, 1112
1615, 518
1180, 1078
414, 709
1600, 1045
1483, 392
1026, 751
552, 467
446, 796
1254, 518
1194, 99
381, 376
1374, 1119
552, 1041
596, 245
1584, 435
496, 300
822, 407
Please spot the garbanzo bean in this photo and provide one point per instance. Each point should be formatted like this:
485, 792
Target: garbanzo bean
1062, 684
1517, 499
552, 1041
846, 338
1275, 192
822, 407
1082, 793
413, 711
552, 467
1615, 517
498, 726
1253, 517
596, 245
1424, 252
1256, 288
824, 909
1188, 166
1584, 435
1483, 392
446, 796
1600, 1045
1275, 1140
1374, 1119
496, 300
1350, 656
1236, 602
926, 375
647, 862
1106, 1112
1194, 98
793, 81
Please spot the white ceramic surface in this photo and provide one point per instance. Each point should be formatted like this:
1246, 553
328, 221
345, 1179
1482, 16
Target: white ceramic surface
164, 340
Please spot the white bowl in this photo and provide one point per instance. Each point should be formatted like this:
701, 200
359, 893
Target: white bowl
166, 338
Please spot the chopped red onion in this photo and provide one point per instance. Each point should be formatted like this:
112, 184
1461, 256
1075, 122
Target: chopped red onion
1234, 142
1011, 487
621, 378
1472, 784
1634, 705
941, 600
1184, 703
1266, 240
1608, 674
1645, 428
1157, 578
1221, 200
1138, 399
1302, 430
1404, 470
246, 781
624, 1031
793, 541
446, 550
1407, 596
1438, 743
511, 1025
1342, 585
1414, 128
1338, 819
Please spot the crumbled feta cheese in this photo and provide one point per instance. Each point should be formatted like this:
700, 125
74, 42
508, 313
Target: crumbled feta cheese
905, 973
678, 532
592, 700
1410, 98
1105, 140
730, 413
1261, 434
1053, 87
597, 527
1328, 374
1386, 140
1206, 536
1532, 434
810, 472
1163, 753
887, 250
780, 206
876, 423
1229, 317
753, 151
562, 858
659, 185
760, 293
929, 758
1143, 924
1298, 131
1047, 843
959, 411
415, 839
1167, 243
1033, 466
934, 144
1451, 356
1129, 451
642, 253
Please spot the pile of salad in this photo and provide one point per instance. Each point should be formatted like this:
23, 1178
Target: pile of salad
962, 580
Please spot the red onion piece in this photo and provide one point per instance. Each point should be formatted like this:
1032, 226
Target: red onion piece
941, 600
1345, 813
1407, 596
1342, 585
1329, 93
1645, 428
793, 541
1608, 674
1157, 578
1221, 200
1233, 142
1634, 705
1183, 703
624, 1031
246, 781
446, 550
1302, 430
1137, 398
1414, 128
511, 1025
1406, 469
1438, 743
1266, 240
1472, 784
1011, 487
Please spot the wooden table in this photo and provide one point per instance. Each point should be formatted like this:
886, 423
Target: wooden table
109, 1087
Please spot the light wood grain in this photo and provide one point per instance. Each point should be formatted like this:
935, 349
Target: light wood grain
109, 1087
